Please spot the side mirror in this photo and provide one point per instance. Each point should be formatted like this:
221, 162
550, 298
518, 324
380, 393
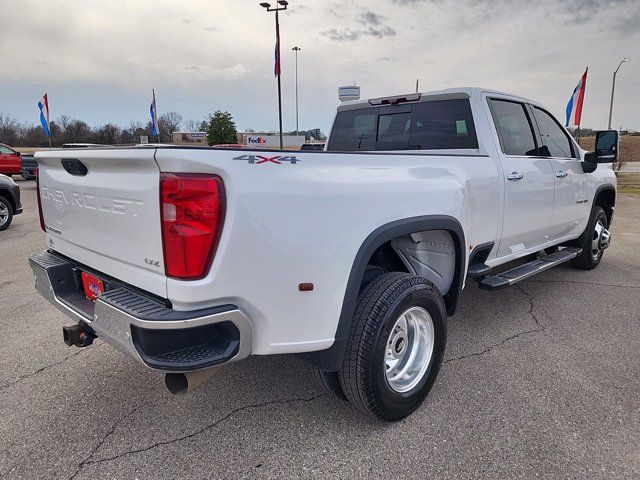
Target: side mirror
607, 146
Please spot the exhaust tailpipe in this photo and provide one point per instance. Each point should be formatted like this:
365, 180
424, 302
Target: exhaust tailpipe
181, 383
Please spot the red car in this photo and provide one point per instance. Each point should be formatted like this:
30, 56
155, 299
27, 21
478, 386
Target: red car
10, 161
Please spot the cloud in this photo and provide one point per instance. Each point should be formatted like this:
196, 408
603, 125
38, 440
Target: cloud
375, 28
381, 32
350, 35
232, 72
370, 18
621, 15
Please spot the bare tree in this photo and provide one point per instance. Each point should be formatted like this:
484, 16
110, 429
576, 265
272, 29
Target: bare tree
9, 130
168, 123
109, 134
132, 133
192, 125
75, 131
623, 155
66, 129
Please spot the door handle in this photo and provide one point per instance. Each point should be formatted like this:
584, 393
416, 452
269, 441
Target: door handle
515, 176
561, 174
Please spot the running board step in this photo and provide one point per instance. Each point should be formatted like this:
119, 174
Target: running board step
522, 272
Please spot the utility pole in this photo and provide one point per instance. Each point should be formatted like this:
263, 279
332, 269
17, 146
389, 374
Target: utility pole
296, 49
613, 88
277, 69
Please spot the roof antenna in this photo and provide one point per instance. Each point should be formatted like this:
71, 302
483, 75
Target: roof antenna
416, 85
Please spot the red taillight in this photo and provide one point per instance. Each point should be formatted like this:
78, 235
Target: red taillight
39, 201
192, 213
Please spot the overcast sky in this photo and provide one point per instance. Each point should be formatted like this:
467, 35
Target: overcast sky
99, 59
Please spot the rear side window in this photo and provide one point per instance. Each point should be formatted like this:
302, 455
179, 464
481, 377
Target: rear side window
435, 125
354, 130
514, 128
445, 124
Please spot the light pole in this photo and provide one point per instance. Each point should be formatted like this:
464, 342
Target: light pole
613, 88
296, 49
277, 70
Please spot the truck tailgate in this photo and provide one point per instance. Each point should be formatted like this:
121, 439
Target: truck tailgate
109, 217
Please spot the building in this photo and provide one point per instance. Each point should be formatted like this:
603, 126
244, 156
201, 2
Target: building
270, 139
189, 138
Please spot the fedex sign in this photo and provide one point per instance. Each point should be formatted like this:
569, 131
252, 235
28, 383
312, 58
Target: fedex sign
272, 140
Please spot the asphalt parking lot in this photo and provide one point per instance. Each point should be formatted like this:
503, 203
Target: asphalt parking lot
540, 381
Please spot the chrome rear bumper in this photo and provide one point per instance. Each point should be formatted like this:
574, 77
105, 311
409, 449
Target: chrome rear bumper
142, 327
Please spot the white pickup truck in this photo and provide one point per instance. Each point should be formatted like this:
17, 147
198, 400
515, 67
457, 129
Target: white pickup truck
352, 257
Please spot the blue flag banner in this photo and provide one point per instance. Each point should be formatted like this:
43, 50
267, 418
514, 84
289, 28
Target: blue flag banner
43, 105
153, 111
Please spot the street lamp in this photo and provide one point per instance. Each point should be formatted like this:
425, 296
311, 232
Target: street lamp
296, 49
282, 6
613, 88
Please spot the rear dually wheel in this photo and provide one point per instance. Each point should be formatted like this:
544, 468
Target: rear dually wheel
395, 345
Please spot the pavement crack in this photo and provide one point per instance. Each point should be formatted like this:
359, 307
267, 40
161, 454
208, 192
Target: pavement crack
97, 447
539, 328
41, 369
495, 345
531, 312
203, 429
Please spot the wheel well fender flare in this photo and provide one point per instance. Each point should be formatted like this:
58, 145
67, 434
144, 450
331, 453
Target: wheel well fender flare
599, 191
9, 197
331, 359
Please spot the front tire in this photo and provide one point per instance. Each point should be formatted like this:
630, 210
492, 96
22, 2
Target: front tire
395, 346
593, 241
6, 213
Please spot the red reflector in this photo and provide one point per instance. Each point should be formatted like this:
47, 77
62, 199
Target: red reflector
39, 201
305, 287
192, 212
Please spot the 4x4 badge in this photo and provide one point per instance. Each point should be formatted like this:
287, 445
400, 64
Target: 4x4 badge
277, 159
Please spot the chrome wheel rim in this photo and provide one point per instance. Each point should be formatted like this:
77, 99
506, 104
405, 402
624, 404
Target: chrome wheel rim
4, 214
409, 349
600, 240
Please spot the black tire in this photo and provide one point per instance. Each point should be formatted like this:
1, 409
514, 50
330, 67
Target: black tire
363, 373
371, 273
587, 260
4, 203
326, 382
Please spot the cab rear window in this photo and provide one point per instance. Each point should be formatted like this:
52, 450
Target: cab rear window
431, 125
